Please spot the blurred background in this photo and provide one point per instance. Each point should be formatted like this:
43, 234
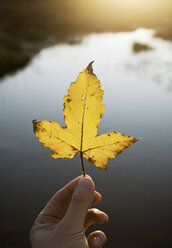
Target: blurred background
44, 44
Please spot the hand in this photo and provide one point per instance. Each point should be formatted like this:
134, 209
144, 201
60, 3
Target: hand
66, 217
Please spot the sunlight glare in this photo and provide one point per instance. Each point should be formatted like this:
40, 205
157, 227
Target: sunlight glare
131, 2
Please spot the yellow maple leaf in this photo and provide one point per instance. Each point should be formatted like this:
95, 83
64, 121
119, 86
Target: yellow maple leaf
83, 109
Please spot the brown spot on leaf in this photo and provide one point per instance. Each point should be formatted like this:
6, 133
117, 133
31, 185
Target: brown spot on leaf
90, 68
34, 121
35, 128
91, 161
34, 125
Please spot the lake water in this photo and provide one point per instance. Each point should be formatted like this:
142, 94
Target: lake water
137, 187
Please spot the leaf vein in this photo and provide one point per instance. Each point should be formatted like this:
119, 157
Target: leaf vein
97, 147
61, 140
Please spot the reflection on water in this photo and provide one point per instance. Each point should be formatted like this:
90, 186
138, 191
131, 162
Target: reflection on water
137, 186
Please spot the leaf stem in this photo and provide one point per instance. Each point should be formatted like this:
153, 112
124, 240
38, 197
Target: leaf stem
82, 164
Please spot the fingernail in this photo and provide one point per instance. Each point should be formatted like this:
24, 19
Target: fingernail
83, 185
97, 241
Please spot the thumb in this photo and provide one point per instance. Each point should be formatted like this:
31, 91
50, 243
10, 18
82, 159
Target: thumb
80, 202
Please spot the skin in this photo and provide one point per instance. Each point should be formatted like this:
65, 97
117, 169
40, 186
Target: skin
66, 217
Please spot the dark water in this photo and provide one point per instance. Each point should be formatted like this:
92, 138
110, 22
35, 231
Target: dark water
137, 187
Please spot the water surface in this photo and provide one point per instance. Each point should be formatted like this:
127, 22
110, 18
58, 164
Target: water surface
137, 186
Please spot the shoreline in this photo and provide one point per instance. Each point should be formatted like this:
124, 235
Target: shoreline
16, 57
27, 27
